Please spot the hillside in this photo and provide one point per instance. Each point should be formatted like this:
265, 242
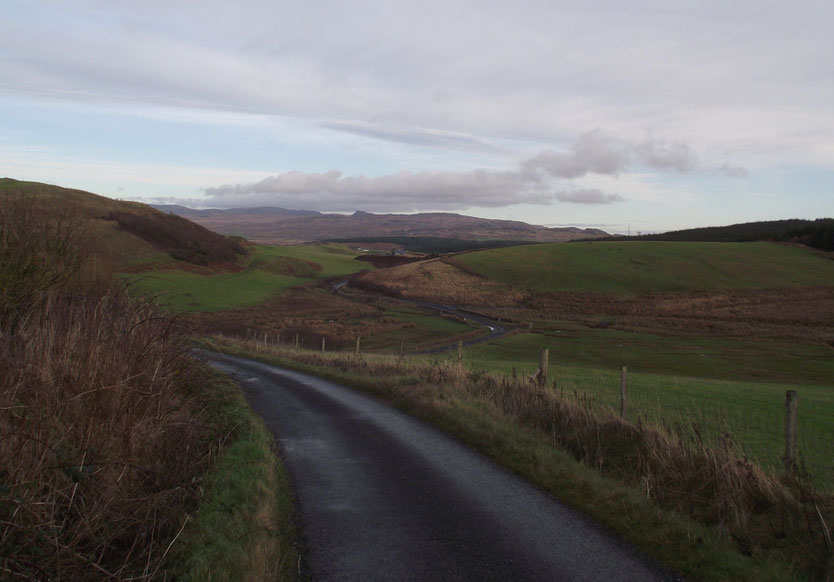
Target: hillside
276, 225
119, 233
620, 268
815, 233
640, 267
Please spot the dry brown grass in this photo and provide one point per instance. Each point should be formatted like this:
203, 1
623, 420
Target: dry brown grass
800, 313
440, 281
99, 440
311, 315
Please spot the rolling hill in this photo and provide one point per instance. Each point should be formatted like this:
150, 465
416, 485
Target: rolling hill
120, 233
814, 233
277, 225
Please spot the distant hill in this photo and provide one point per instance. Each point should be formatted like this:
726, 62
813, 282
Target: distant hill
279, 225
125, 232
815, 233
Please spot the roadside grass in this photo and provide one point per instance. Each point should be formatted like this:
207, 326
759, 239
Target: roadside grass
629, 268
243, 527
500, 419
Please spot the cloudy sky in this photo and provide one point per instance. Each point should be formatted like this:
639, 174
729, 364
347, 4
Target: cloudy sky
648, 115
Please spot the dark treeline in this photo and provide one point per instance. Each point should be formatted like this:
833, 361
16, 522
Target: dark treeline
814, 233
432, 244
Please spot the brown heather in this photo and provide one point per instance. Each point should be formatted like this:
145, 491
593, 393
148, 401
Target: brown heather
438, 281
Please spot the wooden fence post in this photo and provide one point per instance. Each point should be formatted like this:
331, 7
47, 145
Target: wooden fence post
544, 364
296, 341
402, 352
460, 354
358, 340
791, 403
265, 336
278, 338
322, 344
623, 400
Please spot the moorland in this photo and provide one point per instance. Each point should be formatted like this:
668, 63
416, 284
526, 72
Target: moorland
712, 335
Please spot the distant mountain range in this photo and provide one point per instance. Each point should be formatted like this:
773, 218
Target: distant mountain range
280, 225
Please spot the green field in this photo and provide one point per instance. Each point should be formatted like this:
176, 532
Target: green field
260, 280
630, 268
662, 392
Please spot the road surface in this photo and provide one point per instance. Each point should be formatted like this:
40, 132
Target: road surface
382, 496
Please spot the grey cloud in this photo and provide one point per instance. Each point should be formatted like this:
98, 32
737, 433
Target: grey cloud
663, 155
731, 171
531, 182
403, 191
601, 152
588, 196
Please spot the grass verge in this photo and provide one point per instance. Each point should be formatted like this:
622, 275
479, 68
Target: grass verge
243, 528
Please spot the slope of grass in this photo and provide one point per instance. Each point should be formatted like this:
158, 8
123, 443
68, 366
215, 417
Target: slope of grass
260, 280
116, 228
638, 267
334, 259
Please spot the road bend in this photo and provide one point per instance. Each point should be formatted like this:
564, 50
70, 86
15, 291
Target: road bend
382, 496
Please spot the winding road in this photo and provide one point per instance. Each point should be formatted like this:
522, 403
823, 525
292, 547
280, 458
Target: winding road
382, 496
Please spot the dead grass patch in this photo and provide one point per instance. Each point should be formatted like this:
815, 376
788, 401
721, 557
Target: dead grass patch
440, 281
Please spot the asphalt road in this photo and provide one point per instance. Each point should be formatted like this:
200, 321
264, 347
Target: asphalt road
382, 496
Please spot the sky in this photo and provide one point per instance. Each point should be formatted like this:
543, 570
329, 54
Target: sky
638, 116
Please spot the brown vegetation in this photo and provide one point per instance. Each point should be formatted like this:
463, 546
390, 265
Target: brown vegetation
310, 315
180, 238
798, 313
438, 281
102, 440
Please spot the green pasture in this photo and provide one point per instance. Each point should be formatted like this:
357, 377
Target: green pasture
188, 291
183, 291
631, 268
334, 259
664, 389
702, 357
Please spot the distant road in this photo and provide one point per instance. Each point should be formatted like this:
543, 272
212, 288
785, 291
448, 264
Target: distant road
382, 496
496, 328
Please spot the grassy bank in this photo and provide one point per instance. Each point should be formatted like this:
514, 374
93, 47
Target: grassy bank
243, 527
693, 505
639, 267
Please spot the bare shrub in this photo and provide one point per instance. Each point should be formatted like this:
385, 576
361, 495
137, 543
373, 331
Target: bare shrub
41, 249
99, 440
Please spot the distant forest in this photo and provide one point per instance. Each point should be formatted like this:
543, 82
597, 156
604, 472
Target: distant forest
818, 234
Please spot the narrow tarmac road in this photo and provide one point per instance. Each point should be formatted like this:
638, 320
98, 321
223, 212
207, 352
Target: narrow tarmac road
383, 496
